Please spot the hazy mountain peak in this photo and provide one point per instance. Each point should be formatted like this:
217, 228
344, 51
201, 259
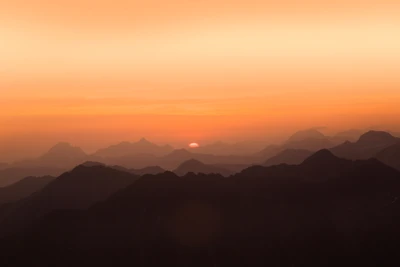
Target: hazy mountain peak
191, 163
322, 156
144, 141
376, 136
305, 134
92, 164
65, 149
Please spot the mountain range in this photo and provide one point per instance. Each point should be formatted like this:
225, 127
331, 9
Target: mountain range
324, 208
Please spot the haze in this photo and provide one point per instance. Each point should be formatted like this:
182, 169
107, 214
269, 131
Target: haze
97, 72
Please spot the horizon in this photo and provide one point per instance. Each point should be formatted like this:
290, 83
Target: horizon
94, 73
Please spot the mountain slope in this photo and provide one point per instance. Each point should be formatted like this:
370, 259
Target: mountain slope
142, 146
196, 167
23, 188
289, 156
77, 189
390, 156
286, 215
367, 146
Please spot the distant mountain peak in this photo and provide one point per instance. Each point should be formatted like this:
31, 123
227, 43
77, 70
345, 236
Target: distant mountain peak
92, 164
192, 162
376, 136
64, 148
144, 141
322, 156
305, 134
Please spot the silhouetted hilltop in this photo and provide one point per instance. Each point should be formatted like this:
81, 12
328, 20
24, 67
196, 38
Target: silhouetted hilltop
63, 155
390, 156
305, 134
92, 164
12, 175
349, 135
289, 156
147, 170
280, 215
77, 189
195, 166
143, 146
23, 188
220, 148
367, 146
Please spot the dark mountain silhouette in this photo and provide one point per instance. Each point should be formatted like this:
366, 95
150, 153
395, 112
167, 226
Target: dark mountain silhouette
23, 188
196, 167
324, 212
147, 170
15, 174
390, 156
289, 156
143, 146
367, 146
77, 189
234, 168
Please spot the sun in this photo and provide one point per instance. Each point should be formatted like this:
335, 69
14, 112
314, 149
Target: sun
194, 145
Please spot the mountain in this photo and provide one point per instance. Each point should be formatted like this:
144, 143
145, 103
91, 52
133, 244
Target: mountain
367, 146
63, 155
268, 152
289, 156
77, 189
12, 175
175, 158
143, 146
390, 156
3, 165
312, 144
349, 135
225, 149
23, 188
147, 170
195, 166
305, 134
285, 215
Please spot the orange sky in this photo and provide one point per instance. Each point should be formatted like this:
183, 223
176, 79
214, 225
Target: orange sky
96, 72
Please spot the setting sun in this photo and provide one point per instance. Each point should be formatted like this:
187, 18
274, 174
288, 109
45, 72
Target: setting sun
193, 145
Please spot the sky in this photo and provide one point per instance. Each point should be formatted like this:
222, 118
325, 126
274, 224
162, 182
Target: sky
98, 72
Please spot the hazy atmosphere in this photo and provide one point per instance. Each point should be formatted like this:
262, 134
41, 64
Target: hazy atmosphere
94, 73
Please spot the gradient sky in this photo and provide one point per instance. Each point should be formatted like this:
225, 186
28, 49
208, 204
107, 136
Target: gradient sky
97, 72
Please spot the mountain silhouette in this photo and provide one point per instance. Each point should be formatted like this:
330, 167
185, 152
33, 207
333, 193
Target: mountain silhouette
77, 189
225, 149
262, 215
14, 174
367, 146
390, 156
143, 146
63, 155
23, 188
147, 170
305, 134
195, 166
289, 156
349, 135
